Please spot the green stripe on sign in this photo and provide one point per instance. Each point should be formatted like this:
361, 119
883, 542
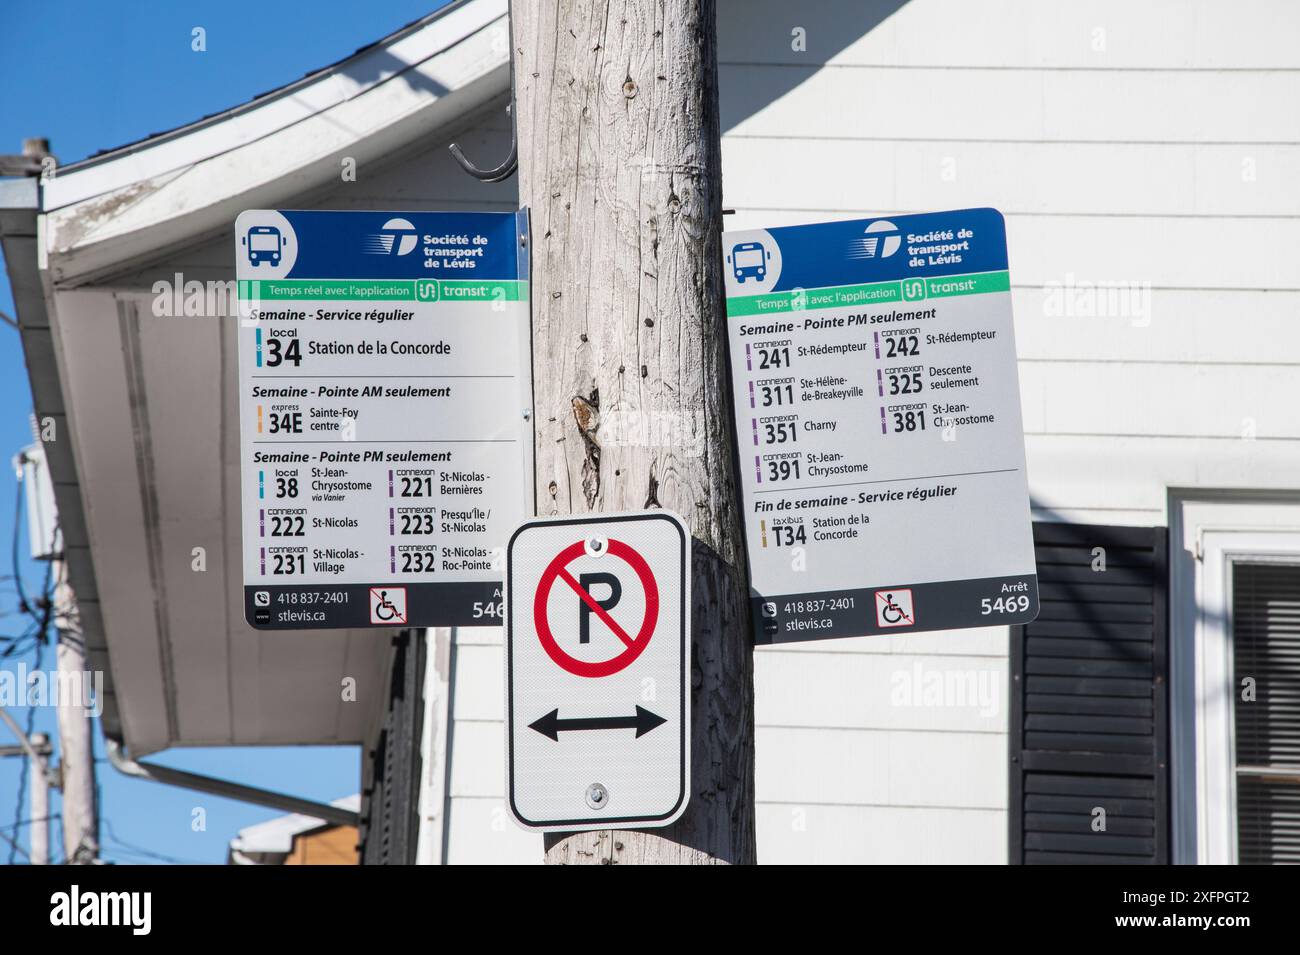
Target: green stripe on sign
365, 290
384, 290
876, 293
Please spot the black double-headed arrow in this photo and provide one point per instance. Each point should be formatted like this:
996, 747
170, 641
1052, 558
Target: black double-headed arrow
643, 722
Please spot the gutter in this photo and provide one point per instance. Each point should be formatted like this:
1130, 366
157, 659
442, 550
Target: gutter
325, 812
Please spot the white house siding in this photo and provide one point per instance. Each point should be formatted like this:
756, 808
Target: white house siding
1154, 143
479, 827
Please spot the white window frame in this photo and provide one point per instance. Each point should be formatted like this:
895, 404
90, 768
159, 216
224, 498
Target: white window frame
1208, 538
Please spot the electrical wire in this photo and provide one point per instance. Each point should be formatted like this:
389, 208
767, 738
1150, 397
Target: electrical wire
24, 604
18, 577
14, 846
39, 635
36, 637
23, 767
21, 643
28, 822
121, 846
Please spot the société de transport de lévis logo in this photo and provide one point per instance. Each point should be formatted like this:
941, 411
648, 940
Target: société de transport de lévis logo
398, 237
879, 240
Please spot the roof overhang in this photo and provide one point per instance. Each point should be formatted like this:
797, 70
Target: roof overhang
19, 213
180, 187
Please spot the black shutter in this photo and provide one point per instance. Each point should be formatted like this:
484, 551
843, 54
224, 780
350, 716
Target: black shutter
390, 797
1089, 690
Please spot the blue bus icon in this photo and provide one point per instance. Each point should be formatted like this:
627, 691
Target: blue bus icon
749, 260
264, 244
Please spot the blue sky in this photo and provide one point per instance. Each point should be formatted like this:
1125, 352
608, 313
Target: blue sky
88, 76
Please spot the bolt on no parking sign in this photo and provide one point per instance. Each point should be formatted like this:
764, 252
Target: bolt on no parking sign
597, 655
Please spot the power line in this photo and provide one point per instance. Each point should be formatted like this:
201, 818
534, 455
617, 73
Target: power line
24, 767
13, 845
47, 598
17, 646
18, 518
28, 822
122, 845
21, 643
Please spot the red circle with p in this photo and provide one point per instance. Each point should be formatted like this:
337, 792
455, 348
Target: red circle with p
557, 569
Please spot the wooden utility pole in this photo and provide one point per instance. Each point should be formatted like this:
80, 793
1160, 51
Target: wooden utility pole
38, 777
37, 752
620, 164
76, 747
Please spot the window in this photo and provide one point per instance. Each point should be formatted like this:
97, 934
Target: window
1265, 622
1234, 617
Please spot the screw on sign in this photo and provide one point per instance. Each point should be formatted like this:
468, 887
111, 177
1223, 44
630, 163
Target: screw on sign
597, 642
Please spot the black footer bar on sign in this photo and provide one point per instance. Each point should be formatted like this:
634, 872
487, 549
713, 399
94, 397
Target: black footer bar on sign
340, 606
897, 608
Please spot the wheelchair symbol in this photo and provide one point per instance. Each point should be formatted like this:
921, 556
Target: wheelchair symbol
894, 608
388, 605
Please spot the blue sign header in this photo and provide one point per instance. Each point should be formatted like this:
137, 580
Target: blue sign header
389, 245
862, 251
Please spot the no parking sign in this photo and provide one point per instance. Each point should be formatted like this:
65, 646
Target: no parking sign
597, 655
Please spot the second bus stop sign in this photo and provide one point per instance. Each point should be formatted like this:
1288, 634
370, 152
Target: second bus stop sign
597, 653
882, 456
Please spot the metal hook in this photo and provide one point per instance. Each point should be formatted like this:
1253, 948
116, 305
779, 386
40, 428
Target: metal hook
511, 164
